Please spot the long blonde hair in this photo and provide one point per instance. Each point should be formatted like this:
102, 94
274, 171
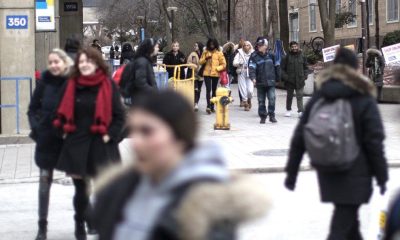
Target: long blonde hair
65, 58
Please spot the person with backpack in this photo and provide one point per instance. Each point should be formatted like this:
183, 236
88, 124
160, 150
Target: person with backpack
376, 65
342, 131
138, 76
264, 73
40, 114
246, 86
294, 72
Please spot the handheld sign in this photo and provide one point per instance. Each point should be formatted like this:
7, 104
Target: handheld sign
330, 53
392, 54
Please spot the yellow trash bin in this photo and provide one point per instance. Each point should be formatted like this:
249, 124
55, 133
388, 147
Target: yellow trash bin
184, 86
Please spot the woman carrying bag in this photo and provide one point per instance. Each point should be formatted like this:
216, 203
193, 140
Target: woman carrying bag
194, 58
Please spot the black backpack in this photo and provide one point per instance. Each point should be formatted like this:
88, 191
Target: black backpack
126, 80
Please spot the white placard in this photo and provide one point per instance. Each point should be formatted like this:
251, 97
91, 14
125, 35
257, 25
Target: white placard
330, 53
392, 54
45, 15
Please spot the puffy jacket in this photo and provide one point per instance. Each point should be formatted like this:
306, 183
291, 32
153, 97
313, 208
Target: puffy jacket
241, 61
262, 68
294, 70
215, 64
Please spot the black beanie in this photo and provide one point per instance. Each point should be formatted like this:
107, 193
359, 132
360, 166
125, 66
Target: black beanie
346, 57
173, 109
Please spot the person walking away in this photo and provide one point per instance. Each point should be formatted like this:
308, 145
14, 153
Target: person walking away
343, 133
48, 144
294, 72
138, 76
72, 47
127, 54
214, 62
162, 195
376, 65
112, 52
194, 58
96, 45
173, 58
229, 54
246, 85
264, 73
90, 117
117, 53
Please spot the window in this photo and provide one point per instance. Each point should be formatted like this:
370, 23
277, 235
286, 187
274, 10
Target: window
392, 10
371, 11
338, 6
313, 16
353, 9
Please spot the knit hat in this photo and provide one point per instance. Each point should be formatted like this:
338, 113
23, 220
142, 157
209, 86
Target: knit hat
346, 57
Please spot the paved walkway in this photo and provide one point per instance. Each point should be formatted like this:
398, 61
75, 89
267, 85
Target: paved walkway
248, 145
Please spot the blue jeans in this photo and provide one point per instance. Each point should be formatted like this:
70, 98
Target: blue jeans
263, 93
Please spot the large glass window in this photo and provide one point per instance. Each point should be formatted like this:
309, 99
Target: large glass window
313, 16
371, 11
353, 9
392, 10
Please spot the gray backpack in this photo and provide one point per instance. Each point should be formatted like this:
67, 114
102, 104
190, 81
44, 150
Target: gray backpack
330, 137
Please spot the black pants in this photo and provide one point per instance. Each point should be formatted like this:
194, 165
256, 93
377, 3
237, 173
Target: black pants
197, 90
45, 181
299, 98
211, 89
345, 224
81, 199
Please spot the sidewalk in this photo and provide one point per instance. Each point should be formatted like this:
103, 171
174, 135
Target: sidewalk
249, 146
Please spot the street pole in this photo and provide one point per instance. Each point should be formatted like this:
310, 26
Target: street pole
172, 10
364, 33
229, 21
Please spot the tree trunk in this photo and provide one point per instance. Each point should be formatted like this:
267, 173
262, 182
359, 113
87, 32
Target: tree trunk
284, 23
265, 22
273, 12
377, 29
328, 18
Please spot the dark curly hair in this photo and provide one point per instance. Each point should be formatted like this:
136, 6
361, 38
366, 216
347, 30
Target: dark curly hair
93, 54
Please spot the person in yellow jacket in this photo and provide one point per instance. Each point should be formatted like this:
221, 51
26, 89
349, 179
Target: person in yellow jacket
214, 62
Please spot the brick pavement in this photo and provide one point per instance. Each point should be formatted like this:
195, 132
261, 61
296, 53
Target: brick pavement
248, 145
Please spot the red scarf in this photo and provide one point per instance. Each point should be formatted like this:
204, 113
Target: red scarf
103, 111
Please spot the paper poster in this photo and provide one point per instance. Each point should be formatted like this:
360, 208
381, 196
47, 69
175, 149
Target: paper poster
45, 15
330, 53
392, 54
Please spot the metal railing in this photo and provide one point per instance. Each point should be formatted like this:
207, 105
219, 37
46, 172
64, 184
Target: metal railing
17, 94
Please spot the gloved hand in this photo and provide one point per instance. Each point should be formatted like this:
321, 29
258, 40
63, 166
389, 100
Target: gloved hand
290, 183
382, 189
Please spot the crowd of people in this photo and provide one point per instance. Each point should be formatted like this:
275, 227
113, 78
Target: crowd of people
79, 115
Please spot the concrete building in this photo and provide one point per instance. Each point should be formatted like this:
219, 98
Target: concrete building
305, 23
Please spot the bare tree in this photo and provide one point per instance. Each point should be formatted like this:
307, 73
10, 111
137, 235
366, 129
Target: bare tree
327, 11
272, 21
377, 28
284, 22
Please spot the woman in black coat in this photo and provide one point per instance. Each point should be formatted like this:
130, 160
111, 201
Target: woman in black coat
41, 112
173, 58
91, 117
127, 54
350, 189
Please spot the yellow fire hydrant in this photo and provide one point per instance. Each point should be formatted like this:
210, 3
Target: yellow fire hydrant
222, 101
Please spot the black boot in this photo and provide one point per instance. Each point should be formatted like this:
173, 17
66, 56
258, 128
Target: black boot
80, 231
262, 121
42, 233
272, 118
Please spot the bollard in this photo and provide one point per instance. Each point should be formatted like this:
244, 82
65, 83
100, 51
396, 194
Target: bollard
222, 101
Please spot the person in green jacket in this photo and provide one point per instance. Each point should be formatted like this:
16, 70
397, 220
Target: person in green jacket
294, 73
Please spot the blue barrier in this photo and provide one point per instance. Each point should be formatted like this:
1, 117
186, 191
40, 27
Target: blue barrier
16, 105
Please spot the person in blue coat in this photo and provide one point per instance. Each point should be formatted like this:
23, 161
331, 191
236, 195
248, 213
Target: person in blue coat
41, 112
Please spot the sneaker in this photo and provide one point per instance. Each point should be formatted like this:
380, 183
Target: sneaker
272, 119
208, 110
300, 114
196, 107
263, 119
288, 114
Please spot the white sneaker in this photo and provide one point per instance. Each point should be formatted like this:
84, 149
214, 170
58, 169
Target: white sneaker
196, 107
288, 114
300, 114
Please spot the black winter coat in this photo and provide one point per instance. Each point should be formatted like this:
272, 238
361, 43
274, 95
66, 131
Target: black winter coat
376, 64
173, 60
353, 186
41, 114
294, 70
84, 153
138, 78
263, 69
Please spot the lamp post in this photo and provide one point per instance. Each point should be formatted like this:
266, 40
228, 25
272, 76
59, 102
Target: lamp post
172, 23
229, 21
140, 20
364, 25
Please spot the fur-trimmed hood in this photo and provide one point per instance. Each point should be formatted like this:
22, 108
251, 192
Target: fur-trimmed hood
349, 77
237, 201
373, 51
229, 46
